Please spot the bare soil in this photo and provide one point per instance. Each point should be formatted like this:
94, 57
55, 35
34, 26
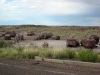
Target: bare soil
31, 67
60, 44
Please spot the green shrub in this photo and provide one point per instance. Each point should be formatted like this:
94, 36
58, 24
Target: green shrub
20, 49
29, 55
1, 43
87, 56
45, 53
11, 55
59, 55
0, 51
5, 44
71, 54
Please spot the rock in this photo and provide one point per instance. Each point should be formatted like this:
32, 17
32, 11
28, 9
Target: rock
88, 43
45, 45
72, 43
46, 35
12, 33
55, 37
94, 37
30, 34
37, 38
19, 37
7, 37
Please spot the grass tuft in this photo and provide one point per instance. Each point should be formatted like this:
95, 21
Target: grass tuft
87, 56
71, 54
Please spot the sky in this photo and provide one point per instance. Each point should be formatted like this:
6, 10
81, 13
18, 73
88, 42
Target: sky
50, 12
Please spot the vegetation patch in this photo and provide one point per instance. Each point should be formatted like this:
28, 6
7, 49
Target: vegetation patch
5, 44
31, 52
87, 56
60, 54
71, 54
45, 53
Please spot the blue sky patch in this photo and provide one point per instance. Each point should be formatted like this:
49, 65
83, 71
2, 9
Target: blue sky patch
8, 1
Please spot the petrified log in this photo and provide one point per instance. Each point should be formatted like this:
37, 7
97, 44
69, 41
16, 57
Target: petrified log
72, 43
55, 37
7, 37
45, 45
88, 43
46, 35
95, 37
19, 37
30, 34
37, 38
12, 33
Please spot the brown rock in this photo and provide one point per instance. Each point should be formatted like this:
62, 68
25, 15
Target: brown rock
72, 43
55, 37
95, 38
88, 43
30, 34
7, 37
46, 35
45, 45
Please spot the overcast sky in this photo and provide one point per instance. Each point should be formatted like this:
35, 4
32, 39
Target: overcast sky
50, 12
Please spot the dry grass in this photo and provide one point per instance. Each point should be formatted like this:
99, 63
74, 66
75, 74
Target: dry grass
68, 31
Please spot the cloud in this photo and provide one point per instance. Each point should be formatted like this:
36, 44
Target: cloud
40, 7
50, 11
47, 7
2, 1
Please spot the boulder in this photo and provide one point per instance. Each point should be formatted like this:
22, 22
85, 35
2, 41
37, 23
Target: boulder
37, 38
88, 43
30, 34
12, 33
7, 37
19, 37
45, 45
55, 37
46, 35
72, 43
95, 38
2, 34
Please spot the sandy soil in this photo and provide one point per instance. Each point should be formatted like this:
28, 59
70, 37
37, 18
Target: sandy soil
52, 44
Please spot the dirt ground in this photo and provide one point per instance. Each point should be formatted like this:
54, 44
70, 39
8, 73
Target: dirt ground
31, 67
59, 44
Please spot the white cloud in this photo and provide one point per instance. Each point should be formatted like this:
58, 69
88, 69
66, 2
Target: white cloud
23, 9
2, 1
47, 7
64, 8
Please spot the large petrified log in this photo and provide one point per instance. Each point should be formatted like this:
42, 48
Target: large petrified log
95, 37
12, 33
46, 35
88, 43
72, 43
7, 37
